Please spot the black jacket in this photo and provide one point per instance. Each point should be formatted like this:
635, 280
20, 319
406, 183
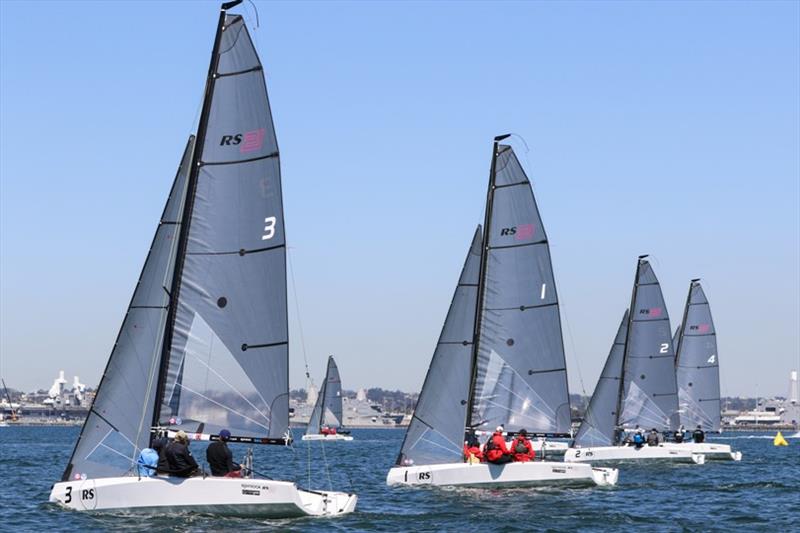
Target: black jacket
176, 460
220, 458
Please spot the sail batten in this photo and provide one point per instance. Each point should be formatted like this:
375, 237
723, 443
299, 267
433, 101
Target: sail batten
436, 432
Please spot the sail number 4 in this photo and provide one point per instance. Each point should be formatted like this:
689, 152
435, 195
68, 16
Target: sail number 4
269, 229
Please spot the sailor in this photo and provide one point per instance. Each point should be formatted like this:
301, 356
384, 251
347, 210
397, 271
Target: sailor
496, 450
678, 436
521, 448
148, 458
220, 457
472, 449
176, 459
653, 437
638, 437
698, 435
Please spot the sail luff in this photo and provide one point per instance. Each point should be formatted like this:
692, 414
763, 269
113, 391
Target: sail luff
487, 218
187, 219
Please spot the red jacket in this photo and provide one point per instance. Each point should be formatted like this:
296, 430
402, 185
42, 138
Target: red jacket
473, 450
496, 447
523, 442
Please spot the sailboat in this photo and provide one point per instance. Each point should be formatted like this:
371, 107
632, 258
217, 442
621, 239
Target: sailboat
500, 357
637, 387
327, 419
697, 369
204, 344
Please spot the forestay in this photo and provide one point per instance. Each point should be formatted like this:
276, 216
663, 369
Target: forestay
650, 392
226, 357
521, 377
328, 407
599, 424
436, 432
118, 424
697, 364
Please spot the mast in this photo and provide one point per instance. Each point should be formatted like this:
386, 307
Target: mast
482, 277
186, 219
627, 344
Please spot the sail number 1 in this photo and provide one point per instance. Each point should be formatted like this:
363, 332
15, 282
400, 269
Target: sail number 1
269, 229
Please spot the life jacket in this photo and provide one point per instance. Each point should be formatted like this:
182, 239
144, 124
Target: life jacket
522, 449
638, 438
496, 447
472, 453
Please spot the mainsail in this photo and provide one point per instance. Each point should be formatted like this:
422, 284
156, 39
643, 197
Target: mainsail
650, 392
600, 422
436, 432
697, 364
225, 359
520, 376
118, 424
328, 407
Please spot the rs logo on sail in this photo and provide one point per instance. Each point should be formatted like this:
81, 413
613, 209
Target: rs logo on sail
250, 141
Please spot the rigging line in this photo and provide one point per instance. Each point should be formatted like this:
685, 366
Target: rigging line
574, 351
184, 387
325, 462
297, 310
98, 444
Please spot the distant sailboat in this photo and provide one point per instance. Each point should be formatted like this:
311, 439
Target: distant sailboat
500, 358
697, 370
327, 420
637, 388
204, 344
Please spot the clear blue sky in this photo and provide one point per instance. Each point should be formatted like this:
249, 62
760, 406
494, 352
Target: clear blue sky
664, 128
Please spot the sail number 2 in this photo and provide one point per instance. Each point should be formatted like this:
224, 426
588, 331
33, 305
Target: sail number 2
269, 229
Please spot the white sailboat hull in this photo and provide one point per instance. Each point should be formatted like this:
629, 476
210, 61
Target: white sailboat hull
336, 437
711, 450
549, 447
223, 496
598, 454
485, 475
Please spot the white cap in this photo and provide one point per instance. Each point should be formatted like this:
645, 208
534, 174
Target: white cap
499, 428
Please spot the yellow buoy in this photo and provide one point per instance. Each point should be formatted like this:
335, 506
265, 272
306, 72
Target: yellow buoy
779, 440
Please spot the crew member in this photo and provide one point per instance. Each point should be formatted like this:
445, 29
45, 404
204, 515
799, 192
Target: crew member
638, 438
496, 450
176, 459
698, 435
678, 436
148, 457
521, 447
472, 449
220, 457
653, 437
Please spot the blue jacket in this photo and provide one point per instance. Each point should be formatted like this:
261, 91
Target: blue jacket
148, 457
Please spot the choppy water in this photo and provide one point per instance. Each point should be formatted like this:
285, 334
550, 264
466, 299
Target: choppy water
762, 493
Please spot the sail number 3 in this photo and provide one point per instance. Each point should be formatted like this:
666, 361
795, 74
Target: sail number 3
269, 229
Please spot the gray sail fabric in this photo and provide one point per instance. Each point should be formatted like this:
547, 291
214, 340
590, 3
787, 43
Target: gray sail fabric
600, 422
697, 364
228, 360
650, 398
118, 424
328, 407
521, 379
436, 432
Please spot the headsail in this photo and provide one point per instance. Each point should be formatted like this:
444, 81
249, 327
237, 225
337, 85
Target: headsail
521, 377
226, 351
328, 407
650, 391
697, 364
118, 424
436, 432
600, 422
